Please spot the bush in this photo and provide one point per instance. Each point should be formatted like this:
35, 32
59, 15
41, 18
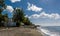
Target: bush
18, 24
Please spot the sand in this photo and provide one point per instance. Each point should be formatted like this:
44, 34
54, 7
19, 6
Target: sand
21, 31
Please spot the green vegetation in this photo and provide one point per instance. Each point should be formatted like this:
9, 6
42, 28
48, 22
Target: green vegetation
18, 16
2, 17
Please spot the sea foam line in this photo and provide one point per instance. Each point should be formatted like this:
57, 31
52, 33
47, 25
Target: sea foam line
47, 32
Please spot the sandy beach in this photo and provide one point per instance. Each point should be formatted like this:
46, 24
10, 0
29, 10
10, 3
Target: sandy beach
21, 31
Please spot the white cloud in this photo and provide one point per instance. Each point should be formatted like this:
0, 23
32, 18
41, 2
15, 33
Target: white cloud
9, 8
13, 1
33, 8
45, 15
35, 16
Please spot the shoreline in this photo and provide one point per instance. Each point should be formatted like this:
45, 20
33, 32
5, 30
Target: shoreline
39, 30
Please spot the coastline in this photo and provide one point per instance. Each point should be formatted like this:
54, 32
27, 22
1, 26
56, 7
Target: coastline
39, 30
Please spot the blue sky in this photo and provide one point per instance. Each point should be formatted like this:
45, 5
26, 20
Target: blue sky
42, 12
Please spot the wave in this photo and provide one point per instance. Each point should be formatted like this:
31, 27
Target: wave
48, 33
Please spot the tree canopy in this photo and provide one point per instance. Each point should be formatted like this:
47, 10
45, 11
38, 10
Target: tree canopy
20, 16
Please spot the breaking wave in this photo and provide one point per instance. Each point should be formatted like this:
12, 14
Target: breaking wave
48, 33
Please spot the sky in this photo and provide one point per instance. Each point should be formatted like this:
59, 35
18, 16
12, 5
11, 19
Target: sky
40, 12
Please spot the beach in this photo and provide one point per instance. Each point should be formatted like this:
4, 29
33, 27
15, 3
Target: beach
19, 31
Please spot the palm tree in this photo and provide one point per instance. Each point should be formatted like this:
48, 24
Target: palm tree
18, 15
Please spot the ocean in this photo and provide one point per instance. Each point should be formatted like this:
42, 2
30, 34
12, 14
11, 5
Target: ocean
50, 30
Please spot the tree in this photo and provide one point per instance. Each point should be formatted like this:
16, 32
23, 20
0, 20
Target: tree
5, 18
27, 21
18, 15
2, 7
2, 3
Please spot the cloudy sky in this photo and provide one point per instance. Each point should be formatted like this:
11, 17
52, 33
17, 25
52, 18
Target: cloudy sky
42, 12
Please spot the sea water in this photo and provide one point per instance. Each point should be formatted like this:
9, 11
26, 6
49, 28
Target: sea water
50, 30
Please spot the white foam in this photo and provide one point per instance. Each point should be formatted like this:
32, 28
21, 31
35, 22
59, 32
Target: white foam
47, 32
